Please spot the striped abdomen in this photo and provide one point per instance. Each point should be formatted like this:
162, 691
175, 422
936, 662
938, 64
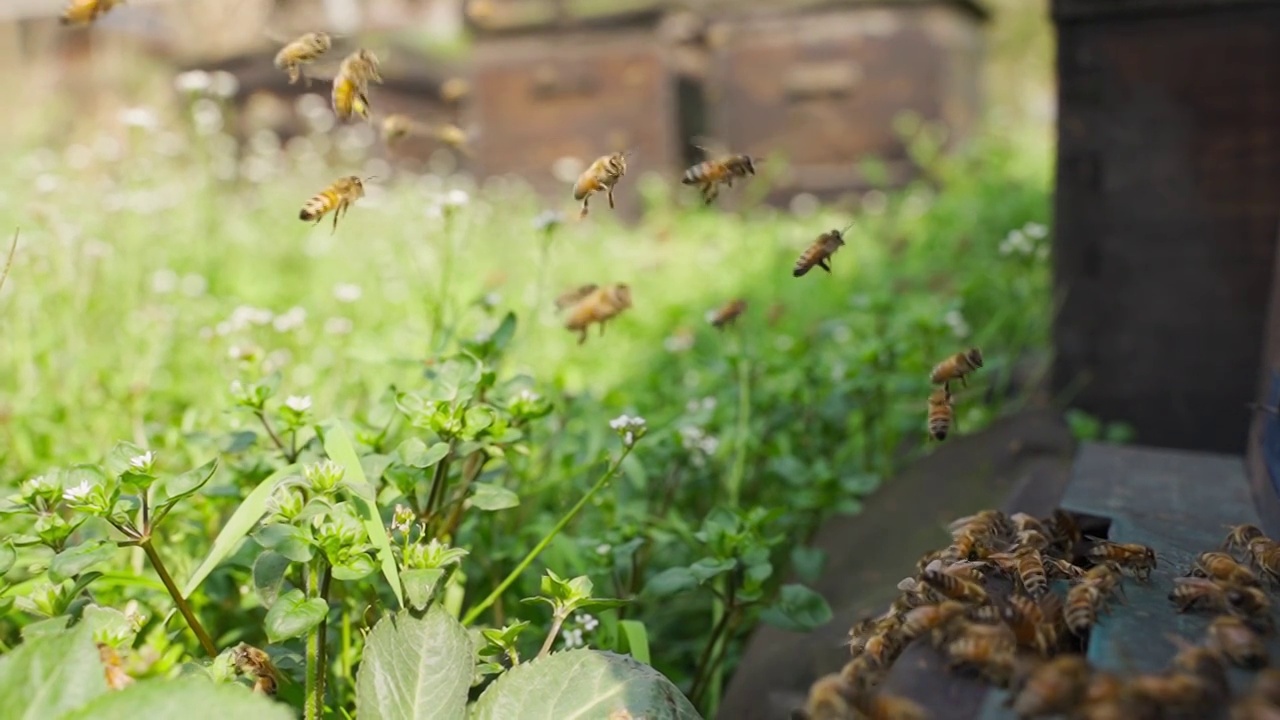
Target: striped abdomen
349, 98
318, 205
1031, 572
940, 415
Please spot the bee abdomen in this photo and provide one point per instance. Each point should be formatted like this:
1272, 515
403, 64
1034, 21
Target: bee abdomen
317, 206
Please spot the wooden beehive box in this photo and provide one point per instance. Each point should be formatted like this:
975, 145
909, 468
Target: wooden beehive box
822, 81
1168, 197
550, 92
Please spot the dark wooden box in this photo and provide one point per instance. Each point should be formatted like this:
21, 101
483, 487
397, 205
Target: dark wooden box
1168, 195
822, 83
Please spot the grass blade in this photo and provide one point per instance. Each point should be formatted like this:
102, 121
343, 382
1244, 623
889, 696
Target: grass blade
637, 639
237, 526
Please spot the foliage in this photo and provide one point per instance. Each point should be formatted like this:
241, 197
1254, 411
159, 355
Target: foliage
339, 443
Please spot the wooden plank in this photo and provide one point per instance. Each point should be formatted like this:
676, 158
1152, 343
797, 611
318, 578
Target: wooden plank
1065, 10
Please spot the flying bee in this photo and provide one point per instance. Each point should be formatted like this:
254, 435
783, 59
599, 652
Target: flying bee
338, 197
709, 174
955, 587
1235, 641
1223, 567
1139, 559
398, 126
113, 668
255, 663
301, 51
819, 252
956, 367
940, 415
1239, 537
1054, 687
83, 12
454, 90
600, 176
600, 306
572, 297
351, 84
726, 314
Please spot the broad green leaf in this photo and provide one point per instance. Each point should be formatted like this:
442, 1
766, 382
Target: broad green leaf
290, 541
268, 575
109, 625
493, 497
415, 668
420, 584
237, 526
117, 461
807, 562
798, 609
293, 615
478, 419
415, 453
707, 568
176, 488
76, 559
506, 330
354, 567
637, 639
42, 629
583, 684
49, 678
339, 448
190, 697
454, 380
671, 581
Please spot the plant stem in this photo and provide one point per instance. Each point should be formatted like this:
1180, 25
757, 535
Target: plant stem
318, 583
474, 612
703, 672
206, 642
470, 471
556, 621
734, 482
437, 486
262, 417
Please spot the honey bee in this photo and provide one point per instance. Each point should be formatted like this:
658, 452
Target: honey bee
1265, 554
956, 367
398, 126
601, 176
987, 648
600, 306
941, 414
1236, 642
989, 522
255, 663
927, 618
1054, 687
117, 678
1084, 603
351, 84
1139, 559
300, 51
1034, 625
819, 253
709, 174
1064, 569
338, 197
726, 314
882, 706
454, 90
1194, 593
955, 587
83, 12
1064, 531
571, 297
1031, 571
1239, 537
1176, 694
1221, 566
829, 699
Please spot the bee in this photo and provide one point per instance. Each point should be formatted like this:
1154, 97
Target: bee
927, 618
882, 706
1265, 554
300, 51
602, 305
1239, 537
1194, 593
83, 12
571, 297
351, 84
709, 174
1236, 642
251, 661
1176, 694
1054, 687
338, 197
398, 126
954, 587
1031, 571
454, 90
1034, 625
941, 414
1221, 566
956, 367
829, 699
988, 648
726, 314
1064, 569
989, 522
1064, 532
1084, 603
819, 253
601, 176
1023, 522
117, 678
1139, 559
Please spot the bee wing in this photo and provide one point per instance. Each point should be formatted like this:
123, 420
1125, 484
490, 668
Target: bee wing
710, 146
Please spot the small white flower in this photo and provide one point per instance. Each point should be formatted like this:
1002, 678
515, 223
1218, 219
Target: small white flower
346, 292
1035, 231
620, 422
588, 622
143, 461
456, 198
192, 81
78, 493
298, 404
139, 117
223, 84
603, 548
291, 319
955, 320
164, 281
528, 395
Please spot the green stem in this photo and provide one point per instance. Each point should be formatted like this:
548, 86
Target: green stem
318, 583
734, 482
202, 635
556, 623
437, 487
474, 612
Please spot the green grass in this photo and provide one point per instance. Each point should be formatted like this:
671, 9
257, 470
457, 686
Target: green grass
140, 287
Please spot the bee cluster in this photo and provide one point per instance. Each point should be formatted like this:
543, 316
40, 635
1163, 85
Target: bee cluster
1030, 639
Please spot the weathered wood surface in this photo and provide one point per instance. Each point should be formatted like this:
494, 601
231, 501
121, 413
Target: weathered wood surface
1165, 213
1020, 462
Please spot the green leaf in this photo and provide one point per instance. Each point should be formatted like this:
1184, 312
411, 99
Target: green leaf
289, 540
637, 639
415, 668
268, 576
190, 697
798, 609
354, 567
178, 487
583, 684
415, 453
454, 380
237, 526
8, 557
117, 461
807, 562
420, 584
707, 568
477, 420
293, 615
506, 330
49, 678
671, 581
76, 559
338, 446
493, 497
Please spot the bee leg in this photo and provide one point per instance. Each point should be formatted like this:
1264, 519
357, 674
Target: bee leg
709, 193
585, 200
823, 264
583, 337
336, 212
610, 194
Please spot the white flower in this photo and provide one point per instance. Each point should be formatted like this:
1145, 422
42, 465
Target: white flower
346, 292
955, 320
528, 395
547, 220
223, 84
291, 319
1016, 242
164, 281
572, 638
192, 81
78, 493
456, 198
678, 342
143, 461
139, 117
588, 622
603, 548
1035, 231
298, 404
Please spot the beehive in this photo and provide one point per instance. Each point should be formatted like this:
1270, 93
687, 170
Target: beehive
1166, 212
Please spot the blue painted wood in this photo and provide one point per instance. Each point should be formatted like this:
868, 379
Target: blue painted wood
1271, 432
